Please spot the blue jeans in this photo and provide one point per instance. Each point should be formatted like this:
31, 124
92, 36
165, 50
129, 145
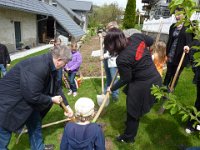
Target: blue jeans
3, 69
71, 76
34, 130
4, 138
110, 73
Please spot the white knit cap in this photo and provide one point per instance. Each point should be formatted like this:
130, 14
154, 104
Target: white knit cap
84, 107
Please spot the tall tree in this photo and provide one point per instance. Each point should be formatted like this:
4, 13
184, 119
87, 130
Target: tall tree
104, 14
130, 14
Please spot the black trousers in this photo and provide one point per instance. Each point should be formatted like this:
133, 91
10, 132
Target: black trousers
197, 103
131, 129
171, 70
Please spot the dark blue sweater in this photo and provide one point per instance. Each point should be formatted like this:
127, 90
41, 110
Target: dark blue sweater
82, 137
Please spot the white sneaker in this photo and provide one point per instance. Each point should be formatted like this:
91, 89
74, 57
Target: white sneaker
198, 127
74, 94
70, 92
188, 131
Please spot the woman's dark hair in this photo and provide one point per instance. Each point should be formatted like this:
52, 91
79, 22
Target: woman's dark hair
115, 41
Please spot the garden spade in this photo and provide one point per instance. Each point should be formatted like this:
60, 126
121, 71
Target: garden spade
104, 99
101, 97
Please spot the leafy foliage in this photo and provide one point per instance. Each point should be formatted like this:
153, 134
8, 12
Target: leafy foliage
174, 106
130, 14
105, 14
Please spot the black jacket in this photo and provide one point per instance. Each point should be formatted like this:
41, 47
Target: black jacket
138, 72
4, 55
183, 40
25, 88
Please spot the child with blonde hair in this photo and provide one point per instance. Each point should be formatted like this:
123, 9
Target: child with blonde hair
159, 56
83, 134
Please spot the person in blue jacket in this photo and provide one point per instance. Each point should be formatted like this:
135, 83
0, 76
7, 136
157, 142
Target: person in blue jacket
83, 135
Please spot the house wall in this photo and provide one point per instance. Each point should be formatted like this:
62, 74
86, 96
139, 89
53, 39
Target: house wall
7, 31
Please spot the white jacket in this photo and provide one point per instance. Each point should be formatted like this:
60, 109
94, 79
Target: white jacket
111, 60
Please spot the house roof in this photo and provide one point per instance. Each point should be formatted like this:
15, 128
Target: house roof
77, 5
66, 8
37, 7
65, 21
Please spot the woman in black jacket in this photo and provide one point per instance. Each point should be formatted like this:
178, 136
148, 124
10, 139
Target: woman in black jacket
137, 71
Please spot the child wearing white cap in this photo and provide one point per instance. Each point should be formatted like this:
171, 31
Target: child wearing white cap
83, 135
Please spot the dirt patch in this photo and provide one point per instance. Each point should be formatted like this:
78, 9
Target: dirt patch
90, 65
109, 144
60, 137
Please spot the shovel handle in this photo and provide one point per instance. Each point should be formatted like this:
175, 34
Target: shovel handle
102, 52
66, 110
177, 71
63, 105
104, 100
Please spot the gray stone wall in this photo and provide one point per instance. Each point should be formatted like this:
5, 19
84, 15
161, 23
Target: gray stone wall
163, 37
7, 30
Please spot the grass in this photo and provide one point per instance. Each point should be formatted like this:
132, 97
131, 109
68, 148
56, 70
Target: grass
156, 132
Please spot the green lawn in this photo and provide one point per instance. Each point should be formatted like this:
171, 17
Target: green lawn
156, 132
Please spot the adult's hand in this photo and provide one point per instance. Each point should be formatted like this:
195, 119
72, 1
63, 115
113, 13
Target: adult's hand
101, 58
56, 99
186, 49
109, 90
100, 35
70, 112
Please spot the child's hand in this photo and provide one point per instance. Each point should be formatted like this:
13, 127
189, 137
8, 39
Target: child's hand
67, 69
70, 112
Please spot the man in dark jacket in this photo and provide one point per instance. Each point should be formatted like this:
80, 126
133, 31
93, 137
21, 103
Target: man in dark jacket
178, 38
190, 125
28, 91
4, 59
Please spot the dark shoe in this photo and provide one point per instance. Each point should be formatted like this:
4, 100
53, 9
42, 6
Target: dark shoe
115, 99
182, 147
189, 130
123, 138
49, 147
